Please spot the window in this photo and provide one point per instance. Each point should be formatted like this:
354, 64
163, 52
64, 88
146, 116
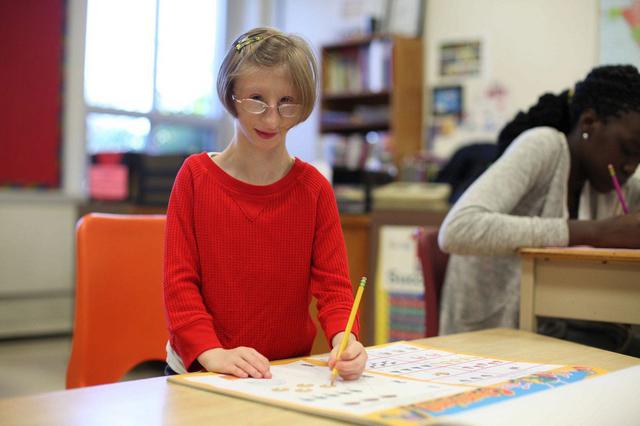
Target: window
150, 69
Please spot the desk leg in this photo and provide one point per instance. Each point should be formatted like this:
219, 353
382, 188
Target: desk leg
527, 316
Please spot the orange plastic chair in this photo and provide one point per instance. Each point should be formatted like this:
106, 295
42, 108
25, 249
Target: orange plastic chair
119, 311
434, 266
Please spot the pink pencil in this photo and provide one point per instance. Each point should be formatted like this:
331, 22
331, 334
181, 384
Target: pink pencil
616, 185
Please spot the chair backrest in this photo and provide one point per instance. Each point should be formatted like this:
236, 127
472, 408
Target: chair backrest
465, 166
119, 309
434, 265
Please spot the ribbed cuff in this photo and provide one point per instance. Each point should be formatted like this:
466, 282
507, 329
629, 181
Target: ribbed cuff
334, 327
191, 341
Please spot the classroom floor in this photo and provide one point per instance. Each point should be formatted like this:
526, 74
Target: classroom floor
31, 366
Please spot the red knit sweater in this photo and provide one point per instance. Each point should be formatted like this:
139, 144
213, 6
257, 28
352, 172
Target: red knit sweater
242, 262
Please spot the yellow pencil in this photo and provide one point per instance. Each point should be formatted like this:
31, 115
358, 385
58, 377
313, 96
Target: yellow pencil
347, 331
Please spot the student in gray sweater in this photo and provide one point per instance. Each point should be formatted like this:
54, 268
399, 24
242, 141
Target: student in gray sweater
550, 187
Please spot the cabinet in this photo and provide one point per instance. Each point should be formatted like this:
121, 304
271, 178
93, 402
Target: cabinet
374, 84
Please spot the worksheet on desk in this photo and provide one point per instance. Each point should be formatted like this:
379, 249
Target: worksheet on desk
419, 362
403, 383
308, 383
423, 363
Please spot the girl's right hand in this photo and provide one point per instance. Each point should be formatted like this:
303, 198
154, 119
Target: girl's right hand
614, 232
240, 362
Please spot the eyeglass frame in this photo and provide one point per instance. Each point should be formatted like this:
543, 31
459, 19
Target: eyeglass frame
267, 106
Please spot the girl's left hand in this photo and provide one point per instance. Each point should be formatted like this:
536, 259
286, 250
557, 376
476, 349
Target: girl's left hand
352, 360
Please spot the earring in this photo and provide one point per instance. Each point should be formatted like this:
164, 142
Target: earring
585, 135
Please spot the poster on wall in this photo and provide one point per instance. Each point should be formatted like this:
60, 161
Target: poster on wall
447, 101
399, 291
404, 17
460, 58
620, 32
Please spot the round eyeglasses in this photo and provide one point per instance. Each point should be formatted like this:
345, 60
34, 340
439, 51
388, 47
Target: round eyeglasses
255, 106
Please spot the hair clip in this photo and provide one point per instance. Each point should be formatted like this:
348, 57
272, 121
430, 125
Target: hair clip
247, 41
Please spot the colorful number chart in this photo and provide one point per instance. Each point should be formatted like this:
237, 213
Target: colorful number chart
404, 383
412, 361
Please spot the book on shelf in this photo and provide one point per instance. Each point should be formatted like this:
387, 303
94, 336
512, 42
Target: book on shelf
359, 69
375, 84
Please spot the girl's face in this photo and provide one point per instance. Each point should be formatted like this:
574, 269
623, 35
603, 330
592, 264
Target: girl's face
615, 142
266, 130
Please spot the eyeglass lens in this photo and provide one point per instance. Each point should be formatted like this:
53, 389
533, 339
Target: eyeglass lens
255, 106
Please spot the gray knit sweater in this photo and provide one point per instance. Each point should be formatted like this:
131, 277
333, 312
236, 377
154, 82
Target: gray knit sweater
520, 201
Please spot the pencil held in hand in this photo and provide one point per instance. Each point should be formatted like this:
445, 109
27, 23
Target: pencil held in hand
616, 185
347, 331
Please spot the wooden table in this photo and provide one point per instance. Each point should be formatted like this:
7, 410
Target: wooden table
580, 283
154, 401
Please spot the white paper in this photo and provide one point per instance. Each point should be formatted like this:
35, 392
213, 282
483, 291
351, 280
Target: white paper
448, 367
307, 384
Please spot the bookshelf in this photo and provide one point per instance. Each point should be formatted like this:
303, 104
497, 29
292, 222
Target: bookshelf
374, 84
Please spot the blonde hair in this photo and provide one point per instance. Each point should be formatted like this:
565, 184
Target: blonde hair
268, 47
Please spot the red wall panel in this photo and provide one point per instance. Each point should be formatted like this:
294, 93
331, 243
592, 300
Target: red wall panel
31, 68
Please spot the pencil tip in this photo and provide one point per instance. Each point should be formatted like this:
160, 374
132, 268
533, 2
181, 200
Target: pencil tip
334, 376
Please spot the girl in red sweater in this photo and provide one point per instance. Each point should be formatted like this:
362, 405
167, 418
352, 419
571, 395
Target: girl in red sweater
253, 233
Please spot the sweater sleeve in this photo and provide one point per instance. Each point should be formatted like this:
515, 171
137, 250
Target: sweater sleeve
330, 283
482, 221
190, 325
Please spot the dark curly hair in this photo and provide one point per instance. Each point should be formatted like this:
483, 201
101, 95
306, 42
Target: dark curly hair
609, 90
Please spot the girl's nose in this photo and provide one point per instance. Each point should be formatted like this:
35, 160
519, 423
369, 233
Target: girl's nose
271, 115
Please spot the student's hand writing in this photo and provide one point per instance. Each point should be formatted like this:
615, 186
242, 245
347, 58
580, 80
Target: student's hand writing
615, 232
352, 360
240, 362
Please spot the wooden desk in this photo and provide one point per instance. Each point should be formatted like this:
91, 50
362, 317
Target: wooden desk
580, 283
154, 401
